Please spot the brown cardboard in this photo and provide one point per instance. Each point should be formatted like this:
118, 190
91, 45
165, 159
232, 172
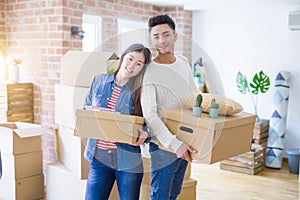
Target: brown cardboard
22, 189
22, 165
188, 191
215, 139
20, 137
109, 126
62, 184
78, 68
65, 112
71, 152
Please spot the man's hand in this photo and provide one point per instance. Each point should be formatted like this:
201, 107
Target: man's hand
143, 135
183, 152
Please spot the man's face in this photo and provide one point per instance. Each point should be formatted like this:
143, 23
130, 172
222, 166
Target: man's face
163, 38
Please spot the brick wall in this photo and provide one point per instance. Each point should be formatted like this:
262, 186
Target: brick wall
2, 32
112, 10
38, 32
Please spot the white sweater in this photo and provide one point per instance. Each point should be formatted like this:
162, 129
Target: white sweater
163, 86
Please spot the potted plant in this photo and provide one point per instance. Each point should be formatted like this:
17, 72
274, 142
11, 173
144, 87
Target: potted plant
213, 110
197, 108
260, 84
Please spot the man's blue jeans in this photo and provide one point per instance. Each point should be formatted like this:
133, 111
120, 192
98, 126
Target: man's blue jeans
103, 174
167, 173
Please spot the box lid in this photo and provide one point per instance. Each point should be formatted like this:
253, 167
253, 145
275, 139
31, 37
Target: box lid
78, 68
24, 129
110, 116
185, 115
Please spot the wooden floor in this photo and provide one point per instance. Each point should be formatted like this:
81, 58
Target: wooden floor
215, 184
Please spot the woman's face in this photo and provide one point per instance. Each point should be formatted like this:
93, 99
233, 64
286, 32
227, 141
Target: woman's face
132, 64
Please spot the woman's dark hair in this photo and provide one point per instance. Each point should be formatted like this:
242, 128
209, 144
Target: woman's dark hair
135, 83
161, 19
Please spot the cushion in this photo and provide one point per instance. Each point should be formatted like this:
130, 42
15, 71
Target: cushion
227, 106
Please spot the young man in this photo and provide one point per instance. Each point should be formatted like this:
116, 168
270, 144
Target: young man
167, 78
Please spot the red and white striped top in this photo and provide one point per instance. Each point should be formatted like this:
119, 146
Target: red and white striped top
114, 97
102, 144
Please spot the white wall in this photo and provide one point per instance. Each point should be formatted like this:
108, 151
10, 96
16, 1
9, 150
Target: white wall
253, 39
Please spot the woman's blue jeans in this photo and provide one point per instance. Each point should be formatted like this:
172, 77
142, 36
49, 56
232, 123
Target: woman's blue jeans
103, 173
167, 173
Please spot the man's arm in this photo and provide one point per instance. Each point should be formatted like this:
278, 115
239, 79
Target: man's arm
157, 128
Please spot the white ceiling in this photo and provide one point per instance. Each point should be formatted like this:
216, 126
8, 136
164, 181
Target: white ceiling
206, 4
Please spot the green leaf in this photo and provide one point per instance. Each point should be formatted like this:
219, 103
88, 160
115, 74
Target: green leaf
260, 83
197, 74
110, 70
242, 83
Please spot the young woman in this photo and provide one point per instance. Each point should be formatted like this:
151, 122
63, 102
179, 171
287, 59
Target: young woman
113, 161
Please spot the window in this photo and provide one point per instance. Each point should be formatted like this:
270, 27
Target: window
131, 32
92, 27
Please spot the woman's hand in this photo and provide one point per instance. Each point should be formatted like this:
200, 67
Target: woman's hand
143, 135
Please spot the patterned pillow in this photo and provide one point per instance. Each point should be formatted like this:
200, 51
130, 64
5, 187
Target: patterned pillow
227, 106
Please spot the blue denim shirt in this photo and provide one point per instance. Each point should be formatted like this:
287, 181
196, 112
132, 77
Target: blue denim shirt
100, 91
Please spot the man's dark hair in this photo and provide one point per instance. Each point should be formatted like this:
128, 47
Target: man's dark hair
161, 19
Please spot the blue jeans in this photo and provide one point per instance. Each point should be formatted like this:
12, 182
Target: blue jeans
103, 173
167, 173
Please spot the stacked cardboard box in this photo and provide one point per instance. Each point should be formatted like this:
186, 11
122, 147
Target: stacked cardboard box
22, 168
16, 102
63, 184
66, 179
251, 162
70, 148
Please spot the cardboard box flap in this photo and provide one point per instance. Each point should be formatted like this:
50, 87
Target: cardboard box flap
78, 68
204, 121
83, 59
113, 56
23, 129
30, 132
110, 116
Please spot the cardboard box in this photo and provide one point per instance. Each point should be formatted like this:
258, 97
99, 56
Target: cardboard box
215, 139
188, 190
20, 137
22, 189
79, 68
65, 112
71, 152
22, 165
62, 184
109, 126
